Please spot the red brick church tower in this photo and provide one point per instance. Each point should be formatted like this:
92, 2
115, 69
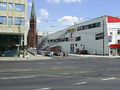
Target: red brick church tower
32, 33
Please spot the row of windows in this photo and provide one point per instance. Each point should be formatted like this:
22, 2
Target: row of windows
94, 25
99, 36
16, 7
17, 20
58, 40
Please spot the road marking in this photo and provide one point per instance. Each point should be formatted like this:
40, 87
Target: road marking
17, 77
44, 88
106, 79
81, 83
65, 73
59, 62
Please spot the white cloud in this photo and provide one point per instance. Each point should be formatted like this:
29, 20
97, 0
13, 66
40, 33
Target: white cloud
44, 13
30, 4
54, 1
38, 20
67, 1
68, 20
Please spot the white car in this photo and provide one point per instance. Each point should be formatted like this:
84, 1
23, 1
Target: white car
49, 53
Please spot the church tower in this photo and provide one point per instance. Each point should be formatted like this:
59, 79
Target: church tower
32, 33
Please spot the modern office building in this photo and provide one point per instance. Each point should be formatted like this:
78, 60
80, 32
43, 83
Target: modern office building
13, 19
97, 36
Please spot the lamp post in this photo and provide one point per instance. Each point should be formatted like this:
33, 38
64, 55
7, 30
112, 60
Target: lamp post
22, 38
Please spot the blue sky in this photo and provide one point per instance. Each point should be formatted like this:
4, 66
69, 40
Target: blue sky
58, 14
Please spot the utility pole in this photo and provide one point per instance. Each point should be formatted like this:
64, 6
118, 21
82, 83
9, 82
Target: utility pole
103, 38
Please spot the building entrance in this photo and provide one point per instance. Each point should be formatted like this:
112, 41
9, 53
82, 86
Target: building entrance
72, 48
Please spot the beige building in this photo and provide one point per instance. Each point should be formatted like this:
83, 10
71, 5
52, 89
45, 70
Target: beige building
13, 19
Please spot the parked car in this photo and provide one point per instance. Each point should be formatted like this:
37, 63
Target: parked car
83, 52
8, 54
56, 54
49, 53
39, 52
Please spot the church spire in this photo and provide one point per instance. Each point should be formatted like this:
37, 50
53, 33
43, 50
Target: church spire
33, 10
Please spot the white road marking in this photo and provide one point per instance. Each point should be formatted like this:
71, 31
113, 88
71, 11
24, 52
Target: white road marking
17, 77
81, 83
65, 73
106, 79
44, 88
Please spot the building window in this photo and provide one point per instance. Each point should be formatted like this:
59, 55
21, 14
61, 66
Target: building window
111, 33
76, 44
3, 20
118, 41
118, 31
89, 26
19, 7
3, 6
99, 36
67, 38
19, 21
78, 38
10, 21
10, 7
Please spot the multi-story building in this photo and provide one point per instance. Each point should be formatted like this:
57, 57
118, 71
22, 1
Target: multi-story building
13, 17
98, 36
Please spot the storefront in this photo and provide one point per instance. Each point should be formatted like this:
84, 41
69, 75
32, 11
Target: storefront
115, 49
11, 42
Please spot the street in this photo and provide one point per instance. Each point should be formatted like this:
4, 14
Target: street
68, 73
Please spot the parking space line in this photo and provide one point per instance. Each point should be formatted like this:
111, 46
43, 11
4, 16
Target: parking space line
44, 88
106, 79
23, 77
81, 83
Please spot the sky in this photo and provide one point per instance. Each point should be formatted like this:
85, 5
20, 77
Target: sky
55, 15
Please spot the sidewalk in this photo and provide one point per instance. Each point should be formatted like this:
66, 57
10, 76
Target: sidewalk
31, 57
99, 56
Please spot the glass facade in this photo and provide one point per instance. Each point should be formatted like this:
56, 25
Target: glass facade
3, 6
19, 21
10, 21
9, 42
3, 20
10, 6
19, 7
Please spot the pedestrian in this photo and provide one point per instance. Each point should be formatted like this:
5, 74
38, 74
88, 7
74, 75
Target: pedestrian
63, 54
67, 53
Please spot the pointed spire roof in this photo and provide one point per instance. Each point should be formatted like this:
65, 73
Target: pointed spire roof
33, 10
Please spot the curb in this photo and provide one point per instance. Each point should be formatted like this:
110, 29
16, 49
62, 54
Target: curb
98, 56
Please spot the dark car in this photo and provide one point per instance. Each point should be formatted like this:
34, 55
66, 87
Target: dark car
56, 54
83, 52
8, 54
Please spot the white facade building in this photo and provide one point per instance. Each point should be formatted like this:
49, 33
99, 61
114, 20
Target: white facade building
98, 36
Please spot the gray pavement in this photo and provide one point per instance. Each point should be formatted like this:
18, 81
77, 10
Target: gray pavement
68, 73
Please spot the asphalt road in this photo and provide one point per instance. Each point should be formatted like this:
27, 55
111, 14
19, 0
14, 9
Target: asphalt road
69, 73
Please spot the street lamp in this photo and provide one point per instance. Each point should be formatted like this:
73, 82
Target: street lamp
19, 30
